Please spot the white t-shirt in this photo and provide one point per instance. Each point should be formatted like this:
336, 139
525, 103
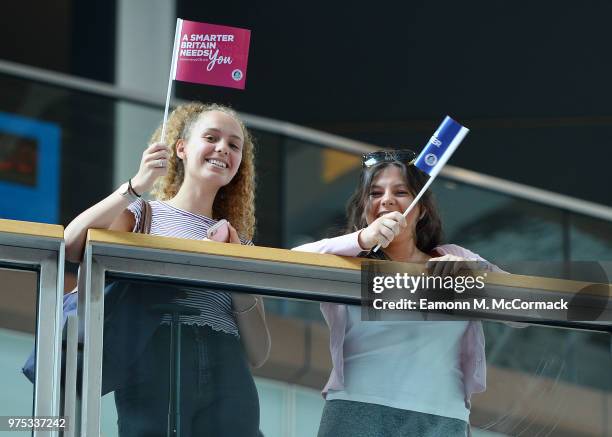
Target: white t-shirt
408, 365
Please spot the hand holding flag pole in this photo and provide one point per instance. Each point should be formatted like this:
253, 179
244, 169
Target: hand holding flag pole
435, 154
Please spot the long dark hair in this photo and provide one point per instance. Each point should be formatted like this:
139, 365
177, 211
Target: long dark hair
428, 228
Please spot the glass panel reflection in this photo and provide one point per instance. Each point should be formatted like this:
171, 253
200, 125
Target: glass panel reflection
591, 238
17, 327
541, 380
497, 226
545, 381
179, 358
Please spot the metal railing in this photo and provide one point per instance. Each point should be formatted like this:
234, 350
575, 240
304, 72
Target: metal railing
113, 255
187, 263
40, 248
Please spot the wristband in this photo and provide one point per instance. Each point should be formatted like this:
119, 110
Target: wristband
248, 309
132, 188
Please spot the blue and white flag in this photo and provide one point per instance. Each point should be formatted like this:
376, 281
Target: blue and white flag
441, 146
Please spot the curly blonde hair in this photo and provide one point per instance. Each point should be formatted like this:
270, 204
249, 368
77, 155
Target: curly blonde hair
234, 202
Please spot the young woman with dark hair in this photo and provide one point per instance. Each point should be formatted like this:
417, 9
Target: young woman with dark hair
398, 379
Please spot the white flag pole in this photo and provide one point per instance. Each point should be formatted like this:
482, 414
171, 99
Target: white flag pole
177, 36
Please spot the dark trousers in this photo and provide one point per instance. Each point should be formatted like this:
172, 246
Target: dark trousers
218, 394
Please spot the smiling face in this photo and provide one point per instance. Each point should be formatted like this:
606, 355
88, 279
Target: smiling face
391, 186
212, 151
390, 192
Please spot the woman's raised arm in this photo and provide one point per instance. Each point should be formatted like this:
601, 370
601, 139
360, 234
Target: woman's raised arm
111, 212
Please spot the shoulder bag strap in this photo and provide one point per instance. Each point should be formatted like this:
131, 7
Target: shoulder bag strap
144, 226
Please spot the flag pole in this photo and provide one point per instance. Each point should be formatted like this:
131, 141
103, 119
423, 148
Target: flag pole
177, 36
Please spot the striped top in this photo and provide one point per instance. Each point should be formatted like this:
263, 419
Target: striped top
168, 221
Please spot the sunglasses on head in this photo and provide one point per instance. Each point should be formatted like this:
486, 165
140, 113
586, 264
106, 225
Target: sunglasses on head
405, 156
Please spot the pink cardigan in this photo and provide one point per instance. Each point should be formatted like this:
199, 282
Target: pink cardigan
473, 363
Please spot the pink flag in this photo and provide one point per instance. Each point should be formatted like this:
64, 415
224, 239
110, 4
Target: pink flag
211, 54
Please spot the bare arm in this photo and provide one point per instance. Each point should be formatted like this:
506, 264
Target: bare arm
102, 215
251, 319
111, 212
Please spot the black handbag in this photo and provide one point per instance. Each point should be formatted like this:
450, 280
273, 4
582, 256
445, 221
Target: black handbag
128, 323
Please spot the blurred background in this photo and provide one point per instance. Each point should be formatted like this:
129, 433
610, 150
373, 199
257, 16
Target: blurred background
82, 86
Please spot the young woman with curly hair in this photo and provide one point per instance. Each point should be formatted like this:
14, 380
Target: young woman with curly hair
203, 173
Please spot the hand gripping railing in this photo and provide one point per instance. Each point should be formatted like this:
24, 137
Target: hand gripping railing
216, 266
39, 248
